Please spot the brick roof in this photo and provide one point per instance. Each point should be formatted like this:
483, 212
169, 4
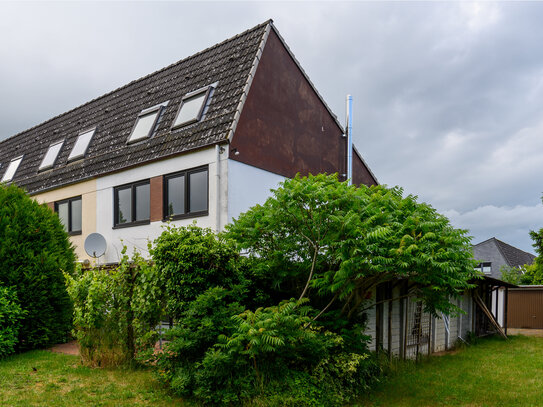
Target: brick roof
229, 63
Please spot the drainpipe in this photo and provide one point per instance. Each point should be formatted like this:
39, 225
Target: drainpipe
218, 187
349, 129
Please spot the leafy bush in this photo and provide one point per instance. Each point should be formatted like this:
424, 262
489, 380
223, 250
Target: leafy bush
191, 260
34, 252
115, 311
10, 321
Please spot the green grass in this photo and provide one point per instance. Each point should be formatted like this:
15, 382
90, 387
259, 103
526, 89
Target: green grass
491, 373
61, 380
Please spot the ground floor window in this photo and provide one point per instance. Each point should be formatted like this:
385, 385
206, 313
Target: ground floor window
69, 212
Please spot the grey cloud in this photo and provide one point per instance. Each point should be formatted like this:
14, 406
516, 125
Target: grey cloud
448, 96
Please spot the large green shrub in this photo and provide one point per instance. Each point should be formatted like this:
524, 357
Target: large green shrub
34, 253
10, 321
191, 260
115, 310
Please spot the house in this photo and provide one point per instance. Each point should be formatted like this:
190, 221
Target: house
201, 140
493, 254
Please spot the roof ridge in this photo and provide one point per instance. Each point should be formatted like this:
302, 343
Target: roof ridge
188, 58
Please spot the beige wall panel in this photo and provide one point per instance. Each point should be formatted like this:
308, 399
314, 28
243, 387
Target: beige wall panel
87, 190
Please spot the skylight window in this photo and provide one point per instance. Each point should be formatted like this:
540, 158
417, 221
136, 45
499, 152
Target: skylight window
81, 144
51, 155
146, 123
192, 107
12, 169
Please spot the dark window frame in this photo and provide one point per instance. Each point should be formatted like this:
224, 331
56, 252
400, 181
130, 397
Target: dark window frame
157, 110
69, 202
188, 213
133, 222
207, 90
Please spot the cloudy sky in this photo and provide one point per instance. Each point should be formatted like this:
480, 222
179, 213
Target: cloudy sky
448, 97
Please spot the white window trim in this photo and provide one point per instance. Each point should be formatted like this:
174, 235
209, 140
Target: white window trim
82, 155
47, 167
13, 160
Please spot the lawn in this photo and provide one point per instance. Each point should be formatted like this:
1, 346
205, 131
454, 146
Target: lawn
43, 378
492, 373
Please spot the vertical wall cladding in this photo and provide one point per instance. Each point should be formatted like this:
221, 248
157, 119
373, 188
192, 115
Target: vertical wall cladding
284, 127
361, 173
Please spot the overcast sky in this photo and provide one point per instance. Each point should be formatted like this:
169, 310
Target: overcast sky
448, 97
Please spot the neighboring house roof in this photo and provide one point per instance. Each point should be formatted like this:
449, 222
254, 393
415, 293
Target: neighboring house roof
512, 255
229, 64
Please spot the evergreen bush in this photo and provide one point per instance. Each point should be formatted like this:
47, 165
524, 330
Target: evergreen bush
10, 321
34, 252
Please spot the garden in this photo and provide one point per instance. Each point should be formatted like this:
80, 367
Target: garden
267, 313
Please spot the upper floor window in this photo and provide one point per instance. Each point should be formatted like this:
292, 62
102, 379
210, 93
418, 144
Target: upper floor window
81, 145
186, 194
132, 204
69, 212
12, 169
192, 107
485, 267
146, 123
51, 155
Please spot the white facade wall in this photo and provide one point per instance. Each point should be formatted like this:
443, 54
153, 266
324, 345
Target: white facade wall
138, 236
248, 186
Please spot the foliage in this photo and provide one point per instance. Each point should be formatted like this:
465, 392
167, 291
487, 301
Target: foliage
34, 252
10, 321
512, 275
534, 271
191, 260
337, 242
272, 355
115, 311
199, 325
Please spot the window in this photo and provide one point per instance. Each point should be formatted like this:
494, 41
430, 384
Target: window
485, 267
192, 107
51, 155
81, 144
132, 204
146, 123
69, 212
12, 169
186, 194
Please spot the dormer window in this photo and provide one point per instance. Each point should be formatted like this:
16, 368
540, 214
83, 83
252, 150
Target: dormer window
12, 169
81, 144
51, 155
192, 107
146, 123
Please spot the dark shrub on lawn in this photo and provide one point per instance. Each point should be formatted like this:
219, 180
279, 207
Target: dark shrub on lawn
10, 321
34, 253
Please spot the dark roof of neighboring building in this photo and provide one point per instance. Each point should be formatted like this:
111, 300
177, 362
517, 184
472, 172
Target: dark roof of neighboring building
512, 255
230, 64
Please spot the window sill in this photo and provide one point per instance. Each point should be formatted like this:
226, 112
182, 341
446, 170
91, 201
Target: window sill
130, 224
75, 233
186, 216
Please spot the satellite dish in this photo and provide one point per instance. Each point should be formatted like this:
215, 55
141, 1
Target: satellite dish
95, 245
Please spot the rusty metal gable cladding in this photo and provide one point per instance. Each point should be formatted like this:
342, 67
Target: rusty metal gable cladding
228, 64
